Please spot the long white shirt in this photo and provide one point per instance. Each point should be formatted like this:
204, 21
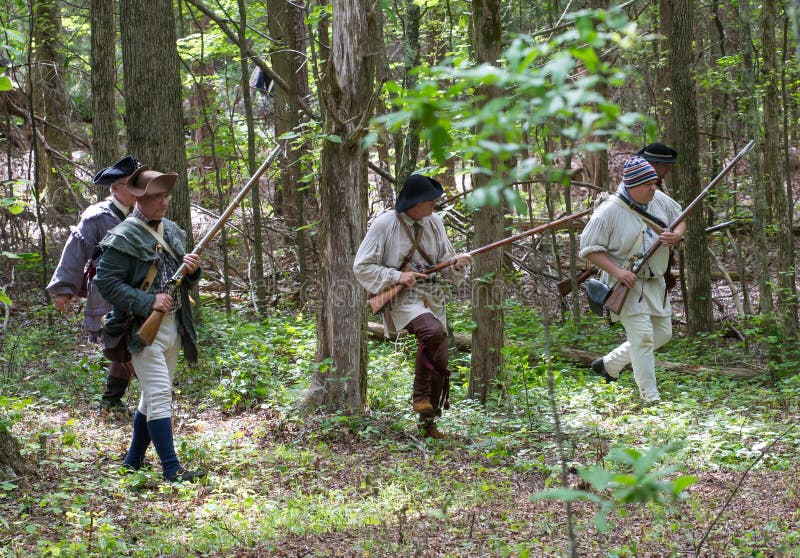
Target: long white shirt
622, 234
381, 253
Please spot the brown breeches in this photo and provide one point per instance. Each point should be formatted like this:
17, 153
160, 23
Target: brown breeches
431, 375
121, 370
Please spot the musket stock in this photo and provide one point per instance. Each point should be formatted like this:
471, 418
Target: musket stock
379, 302
619, 293
151, 325
565, 285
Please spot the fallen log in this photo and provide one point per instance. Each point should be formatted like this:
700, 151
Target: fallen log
464, 343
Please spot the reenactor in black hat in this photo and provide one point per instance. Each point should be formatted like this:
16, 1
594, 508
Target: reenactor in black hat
75, 272
662, 158
399, 244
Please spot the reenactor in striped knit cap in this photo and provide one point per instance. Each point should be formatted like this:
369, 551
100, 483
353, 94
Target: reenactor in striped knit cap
621, 229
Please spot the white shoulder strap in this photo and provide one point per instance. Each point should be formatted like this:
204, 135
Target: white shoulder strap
653, 225
158, 237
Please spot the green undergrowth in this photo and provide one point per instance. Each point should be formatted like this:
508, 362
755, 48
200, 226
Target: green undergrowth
369, 483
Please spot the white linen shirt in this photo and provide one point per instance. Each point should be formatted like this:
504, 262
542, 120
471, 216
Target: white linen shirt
382, 251
621, 234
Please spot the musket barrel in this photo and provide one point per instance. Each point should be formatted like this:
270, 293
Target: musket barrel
620, 292
381, 300
209, 236
152, 324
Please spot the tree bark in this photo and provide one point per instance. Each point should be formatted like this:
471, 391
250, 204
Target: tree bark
286, 29
488, 284
340, 381
781, 215
105, 145
407, 156
153, 101
10, 455
255, 193
699, 315
751, 115
51, 105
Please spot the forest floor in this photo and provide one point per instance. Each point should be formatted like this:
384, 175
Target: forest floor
286, 483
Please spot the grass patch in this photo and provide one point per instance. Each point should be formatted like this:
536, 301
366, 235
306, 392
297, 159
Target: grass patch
286, 482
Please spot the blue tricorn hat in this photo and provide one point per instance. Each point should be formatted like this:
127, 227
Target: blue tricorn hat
417, 189
658, 153
122, 168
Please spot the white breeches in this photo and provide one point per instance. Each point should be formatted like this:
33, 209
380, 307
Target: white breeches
645, 334
155, 367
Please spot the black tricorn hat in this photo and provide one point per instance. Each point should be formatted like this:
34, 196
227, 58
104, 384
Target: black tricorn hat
417, 189
122, 168
658, 153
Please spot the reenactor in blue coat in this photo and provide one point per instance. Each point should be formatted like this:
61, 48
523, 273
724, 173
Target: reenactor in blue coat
74, 275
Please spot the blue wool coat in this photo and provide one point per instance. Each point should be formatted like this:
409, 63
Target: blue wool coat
128, 251
79, 249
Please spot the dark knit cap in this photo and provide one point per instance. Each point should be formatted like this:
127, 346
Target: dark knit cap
122, 168
658, 153
637, 171
417, 189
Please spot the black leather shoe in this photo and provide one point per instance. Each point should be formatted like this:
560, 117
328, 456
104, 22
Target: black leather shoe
187, 476
600, 369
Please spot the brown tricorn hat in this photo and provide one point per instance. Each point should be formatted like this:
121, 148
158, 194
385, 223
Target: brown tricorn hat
146, 182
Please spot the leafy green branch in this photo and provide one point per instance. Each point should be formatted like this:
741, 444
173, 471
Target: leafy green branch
636, 481
553, 86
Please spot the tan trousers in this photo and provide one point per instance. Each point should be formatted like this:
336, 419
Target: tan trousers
645, 334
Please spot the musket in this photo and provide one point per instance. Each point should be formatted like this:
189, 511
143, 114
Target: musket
152, 324
378, 302
565, 285
619, 293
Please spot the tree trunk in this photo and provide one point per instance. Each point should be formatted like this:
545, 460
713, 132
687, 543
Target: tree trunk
751, 114
699, 316
153, 102
407, 158
788, 141
255, 193
105, 145
340, 382
487, 272
10, 455
666, 124
286, 29
773, 179
51, 105
280, 17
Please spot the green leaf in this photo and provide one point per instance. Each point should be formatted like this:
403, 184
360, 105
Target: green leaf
598, 477
5, 84
4, 298
333, 138
682, 483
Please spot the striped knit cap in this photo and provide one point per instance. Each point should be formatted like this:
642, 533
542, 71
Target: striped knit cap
637, 171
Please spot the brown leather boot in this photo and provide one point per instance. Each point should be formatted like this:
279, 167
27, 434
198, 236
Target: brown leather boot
431, 431
423, 407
